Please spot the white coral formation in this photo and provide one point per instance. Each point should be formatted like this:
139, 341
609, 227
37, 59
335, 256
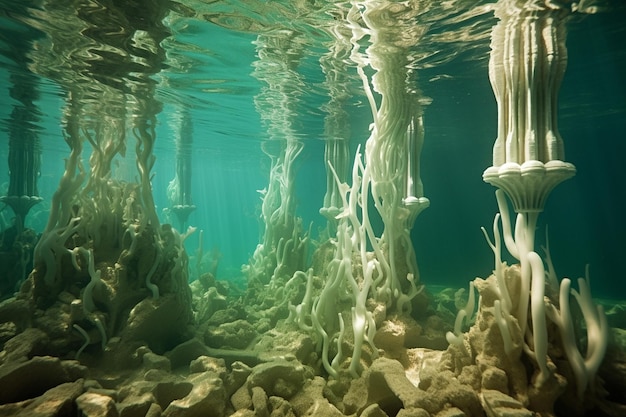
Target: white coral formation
527, 62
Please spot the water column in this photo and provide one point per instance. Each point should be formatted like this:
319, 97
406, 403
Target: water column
369, 271
527, 65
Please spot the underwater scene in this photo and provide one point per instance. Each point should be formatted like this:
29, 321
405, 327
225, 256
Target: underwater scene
312, 208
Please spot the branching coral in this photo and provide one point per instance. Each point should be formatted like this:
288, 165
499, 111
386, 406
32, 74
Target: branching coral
584, 368
370, 272
343, 288
535, 340
391, 167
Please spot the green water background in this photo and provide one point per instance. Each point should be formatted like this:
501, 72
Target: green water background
585, 214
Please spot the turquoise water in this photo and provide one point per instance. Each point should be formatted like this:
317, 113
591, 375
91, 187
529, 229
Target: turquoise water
208, 66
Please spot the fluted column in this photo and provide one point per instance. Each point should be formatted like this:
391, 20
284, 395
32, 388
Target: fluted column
527, 63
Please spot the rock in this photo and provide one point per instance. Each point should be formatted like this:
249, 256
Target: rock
55, 402
157, 375
282, 343
21, 381
154, 411
413, 412
136, 405
260, 402
541, 399
14, 409
74, 369
167, 392
137, 398
322, 408
391, 374
210, 302
399, 332
236, 378
472, 376
494, 379
224, 316
136, 389
207, 398
95, 405
304, 399
207, 279
280, 407
358, 395
17, 311
187, 351
230, 356
8, 331
160, 323
56, 322
31, 342
390, 336
452, 412
242, 399
384, 383
243, 413
420, 364
433, 334
446, 391
154, 361
498, 404
373, 410
102, 391
281, 378
208, 364
112, 380
238, 334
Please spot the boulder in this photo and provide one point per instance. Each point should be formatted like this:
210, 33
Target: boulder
58, 401
30, 379
25, 345
497, 404
207, 398
282, 378
238, 334
91, 404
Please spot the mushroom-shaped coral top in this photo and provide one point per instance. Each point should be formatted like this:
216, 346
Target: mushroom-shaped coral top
529, 184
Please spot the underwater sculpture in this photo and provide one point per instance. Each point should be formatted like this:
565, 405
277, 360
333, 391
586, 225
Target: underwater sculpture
24, 165
24, 152
24, 160
528, 60
284, 244
179, 189
359, 284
